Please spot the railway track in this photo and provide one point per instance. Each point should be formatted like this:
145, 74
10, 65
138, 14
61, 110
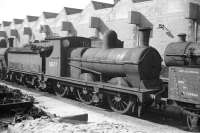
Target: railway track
152, 121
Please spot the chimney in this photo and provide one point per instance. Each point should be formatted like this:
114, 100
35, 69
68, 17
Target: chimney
144, 35
182, 37
110, 39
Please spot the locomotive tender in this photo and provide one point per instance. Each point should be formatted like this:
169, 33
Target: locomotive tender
128, 78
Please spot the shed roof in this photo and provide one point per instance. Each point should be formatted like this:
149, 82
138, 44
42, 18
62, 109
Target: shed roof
69, 10
6, 23
31, 18
49, 15
18, 21
100, 5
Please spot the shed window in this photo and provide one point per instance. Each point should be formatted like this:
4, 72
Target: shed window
27, 31
3, 34
3, 43
66, 26
14, 33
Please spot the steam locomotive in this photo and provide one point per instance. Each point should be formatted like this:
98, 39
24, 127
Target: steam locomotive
128, 79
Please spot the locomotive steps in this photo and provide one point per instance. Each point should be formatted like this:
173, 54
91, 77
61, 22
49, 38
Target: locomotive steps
98, 119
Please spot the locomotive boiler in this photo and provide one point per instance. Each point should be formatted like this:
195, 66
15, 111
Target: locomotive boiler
182, 53
140, 65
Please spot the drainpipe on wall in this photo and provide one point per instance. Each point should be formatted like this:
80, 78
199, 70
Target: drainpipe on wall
195, 31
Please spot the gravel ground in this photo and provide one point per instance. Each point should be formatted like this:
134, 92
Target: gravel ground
51, 126
99, 120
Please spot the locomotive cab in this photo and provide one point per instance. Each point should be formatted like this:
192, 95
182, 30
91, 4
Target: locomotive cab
58, 63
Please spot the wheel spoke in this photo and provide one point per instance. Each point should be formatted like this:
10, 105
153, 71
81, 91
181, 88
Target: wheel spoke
123, 102
113, 100
86, 98
62, 90
116, 105
120, 103
85, 95
123, 107
192, 122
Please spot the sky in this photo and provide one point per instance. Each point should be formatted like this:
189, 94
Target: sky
10, 9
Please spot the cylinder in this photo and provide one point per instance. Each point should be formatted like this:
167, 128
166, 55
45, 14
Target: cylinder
144, 35
140, 63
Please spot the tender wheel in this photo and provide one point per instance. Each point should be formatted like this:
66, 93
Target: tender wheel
16, 78
35, 83
11, 77
1, 75
62, 90
120, 103
21, 79
85, 95
192, 122
42, 86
